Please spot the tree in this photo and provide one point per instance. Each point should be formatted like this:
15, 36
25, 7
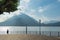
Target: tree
8, 5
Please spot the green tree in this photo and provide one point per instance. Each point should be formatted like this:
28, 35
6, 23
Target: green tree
8, 5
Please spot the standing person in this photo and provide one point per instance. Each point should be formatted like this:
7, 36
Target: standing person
7, 31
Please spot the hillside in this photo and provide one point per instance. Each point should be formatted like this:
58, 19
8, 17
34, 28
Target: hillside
20, 20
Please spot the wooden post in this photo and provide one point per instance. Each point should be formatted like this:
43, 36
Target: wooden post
39, 22
40, 27
40, 32
50, 33
26, 29
58, 34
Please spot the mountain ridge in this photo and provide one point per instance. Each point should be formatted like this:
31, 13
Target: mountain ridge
20, 20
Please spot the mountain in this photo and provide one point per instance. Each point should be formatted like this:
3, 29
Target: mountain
56, 23
51, 21
20, 20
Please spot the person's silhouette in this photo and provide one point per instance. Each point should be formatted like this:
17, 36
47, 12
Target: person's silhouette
7, 31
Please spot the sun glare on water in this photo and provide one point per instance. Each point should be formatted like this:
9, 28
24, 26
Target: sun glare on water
4, 28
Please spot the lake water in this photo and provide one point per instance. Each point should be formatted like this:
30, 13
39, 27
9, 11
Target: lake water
38, 30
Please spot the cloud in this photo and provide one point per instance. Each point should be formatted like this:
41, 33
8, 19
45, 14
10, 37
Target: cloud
44, 19
17, 12
4, 17
23, 6
36, 17
27, 1
32, 11
41, 10
58, 0
57, 18
33, 16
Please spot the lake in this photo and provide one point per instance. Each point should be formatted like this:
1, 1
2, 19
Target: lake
35, 30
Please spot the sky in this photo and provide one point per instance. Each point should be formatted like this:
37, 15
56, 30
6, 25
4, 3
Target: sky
44, 10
